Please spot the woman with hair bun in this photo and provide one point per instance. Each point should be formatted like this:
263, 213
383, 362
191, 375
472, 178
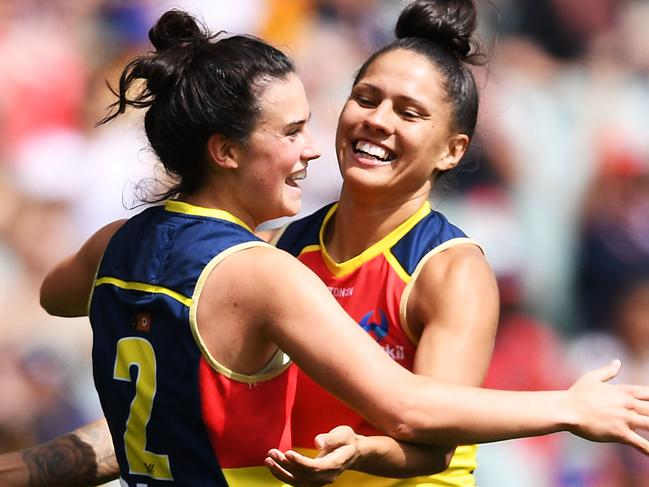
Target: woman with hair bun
411, 279
192, 314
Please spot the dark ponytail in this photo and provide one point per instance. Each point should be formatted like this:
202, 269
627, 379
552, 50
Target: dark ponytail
195, 84
444, 32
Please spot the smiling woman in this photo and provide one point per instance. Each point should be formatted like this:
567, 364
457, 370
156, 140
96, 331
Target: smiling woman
422, 289
276, 155
397, 124
417, 284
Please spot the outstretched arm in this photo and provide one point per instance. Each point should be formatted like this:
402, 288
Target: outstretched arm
298, 313
304, 319
83, 457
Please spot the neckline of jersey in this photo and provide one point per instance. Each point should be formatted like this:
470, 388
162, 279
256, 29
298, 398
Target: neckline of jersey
343, 268
176, 206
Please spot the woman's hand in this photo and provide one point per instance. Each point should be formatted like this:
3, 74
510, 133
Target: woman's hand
338, 450
606, 412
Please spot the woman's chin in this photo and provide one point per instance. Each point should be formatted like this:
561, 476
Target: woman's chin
294, 208
288, 209
292, 201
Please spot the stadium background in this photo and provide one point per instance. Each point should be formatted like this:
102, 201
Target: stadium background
556, 187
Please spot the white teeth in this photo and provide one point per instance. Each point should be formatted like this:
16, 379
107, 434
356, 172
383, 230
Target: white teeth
296, 176
373, 150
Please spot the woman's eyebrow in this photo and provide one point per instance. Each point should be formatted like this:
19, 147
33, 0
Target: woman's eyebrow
299, 122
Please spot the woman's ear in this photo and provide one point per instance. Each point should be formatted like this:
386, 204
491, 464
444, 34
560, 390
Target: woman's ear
457, 145
222, 151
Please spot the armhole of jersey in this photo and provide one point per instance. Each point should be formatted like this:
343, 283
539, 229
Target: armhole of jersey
277, 235
101, 259
403, 305
280, 361
94, 279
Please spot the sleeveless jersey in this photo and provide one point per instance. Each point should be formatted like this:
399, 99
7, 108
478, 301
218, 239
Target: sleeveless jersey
177, 416
373, 288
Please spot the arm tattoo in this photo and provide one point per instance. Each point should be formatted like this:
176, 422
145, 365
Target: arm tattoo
61, 461
84, 457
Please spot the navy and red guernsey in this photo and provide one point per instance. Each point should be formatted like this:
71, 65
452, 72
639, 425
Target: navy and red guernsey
177, 416
373, 288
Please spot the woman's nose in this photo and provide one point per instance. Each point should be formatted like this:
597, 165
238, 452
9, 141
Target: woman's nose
380, 118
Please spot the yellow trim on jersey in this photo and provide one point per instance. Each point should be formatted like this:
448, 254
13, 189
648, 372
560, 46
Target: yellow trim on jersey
396, 265
92, 289
343, 268
188, 209
310, 248
284, 361
144, 287
94, 278
251, 477
408, 289
458, 474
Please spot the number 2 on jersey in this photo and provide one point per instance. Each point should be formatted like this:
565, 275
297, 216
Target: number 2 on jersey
138, 351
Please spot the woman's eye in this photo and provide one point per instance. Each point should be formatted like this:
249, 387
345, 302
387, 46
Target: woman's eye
363, 101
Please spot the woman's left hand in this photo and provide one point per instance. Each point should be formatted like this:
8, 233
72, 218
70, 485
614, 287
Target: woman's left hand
338, 449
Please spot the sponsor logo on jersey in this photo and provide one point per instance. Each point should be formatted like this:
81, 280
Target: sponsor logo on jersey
378, 330
396, 352
341, 292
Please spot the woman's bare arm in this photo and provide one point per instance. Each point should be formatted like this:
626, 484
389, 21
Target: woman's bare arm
456, 331
66, 289
297, 312
342, 449
453, 310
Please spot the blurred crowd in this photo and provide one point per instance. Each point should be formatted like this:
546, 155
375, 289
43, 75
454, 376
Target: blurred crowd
556, 188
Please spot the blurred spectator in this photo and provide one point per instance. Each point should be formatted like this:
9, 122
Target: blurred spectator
627, 338
17, 408
528, 355
615, 242
546, 115
55, 409
42, 76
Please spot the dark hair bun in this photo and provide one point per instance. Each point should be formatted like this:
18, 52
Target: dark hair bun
447, 22
175, 28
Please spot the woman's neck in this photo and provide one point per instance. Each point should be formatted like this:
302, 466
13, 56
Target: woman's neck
359, 224
215, 199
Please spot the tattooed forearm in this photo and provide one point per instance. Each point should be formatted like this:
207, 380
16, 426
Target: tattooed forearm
97, 434
84, 457
59, 461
